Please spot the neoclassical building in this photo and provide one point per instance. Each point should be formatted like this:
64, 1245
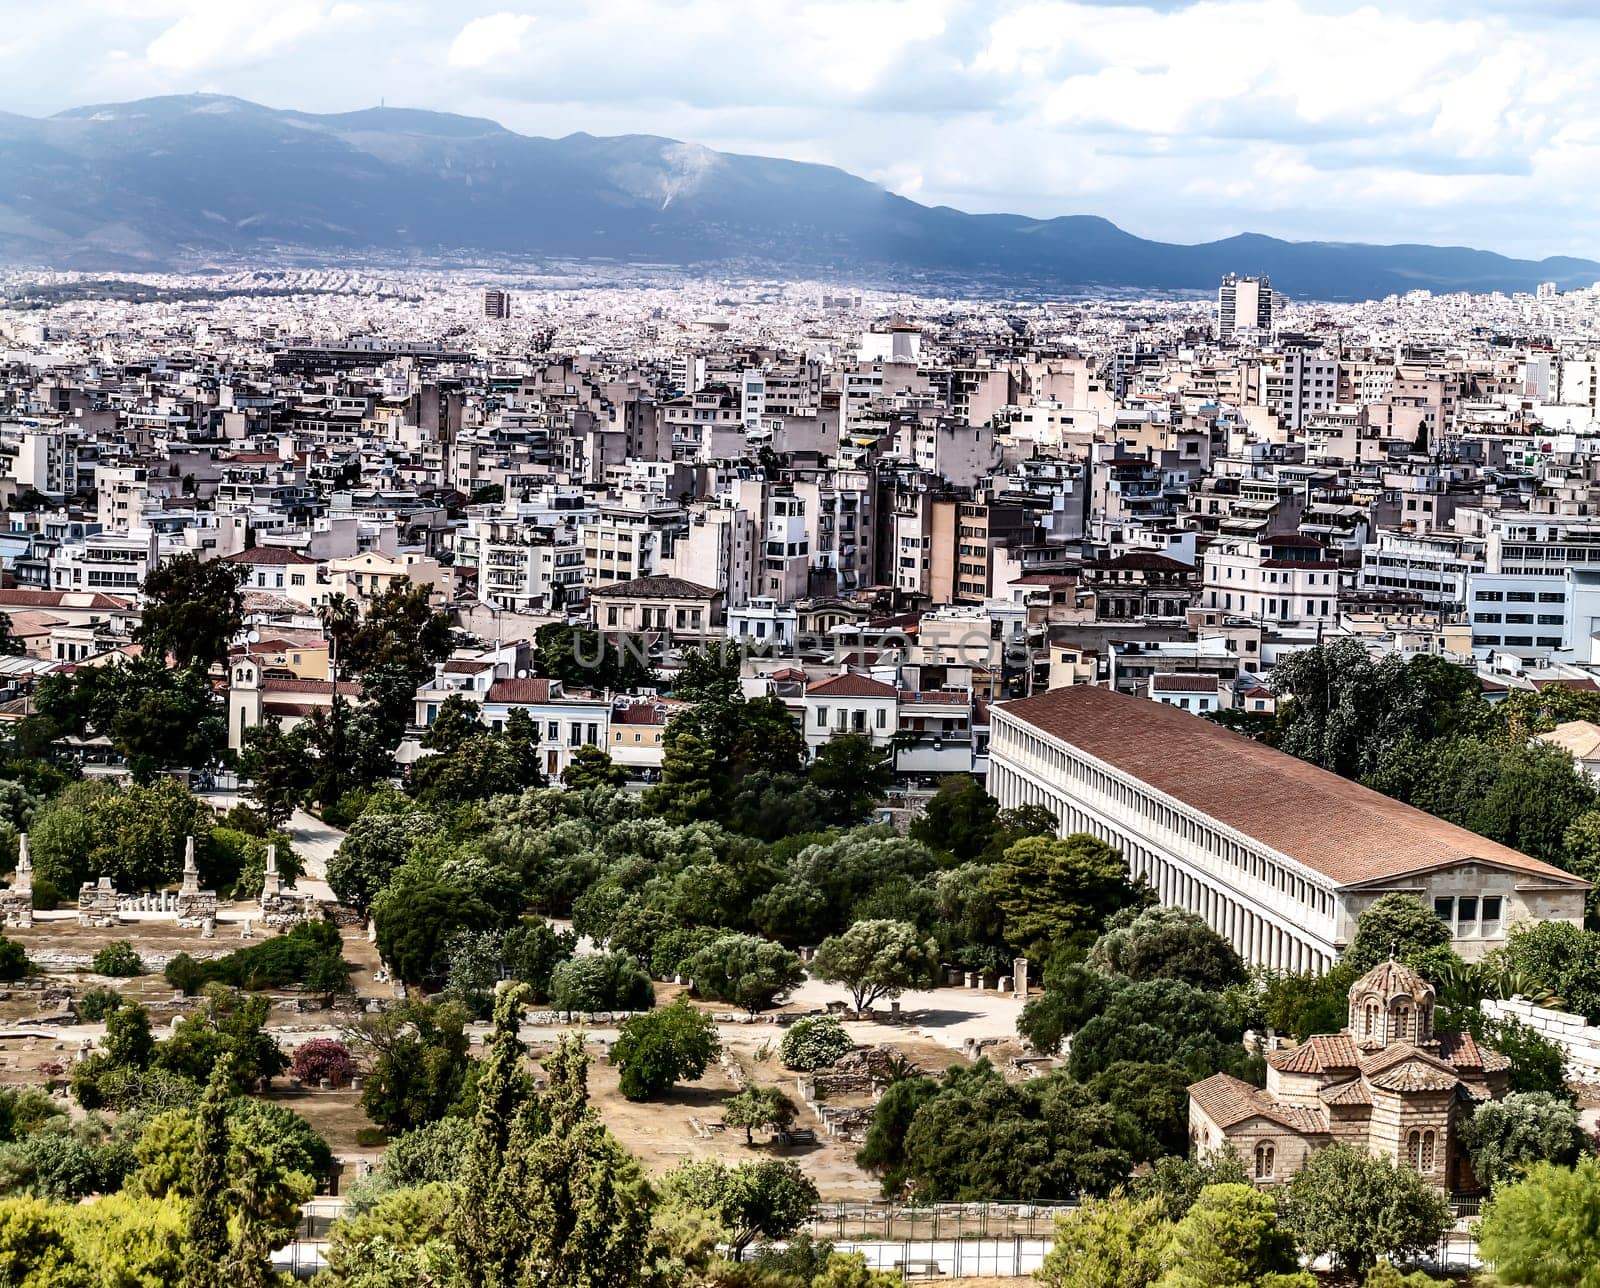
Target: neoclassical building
1388, 1084
1280, 857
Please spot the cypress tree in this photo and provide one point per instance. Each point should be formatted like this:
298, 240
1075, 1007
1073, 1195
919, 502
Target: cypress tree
208, 1213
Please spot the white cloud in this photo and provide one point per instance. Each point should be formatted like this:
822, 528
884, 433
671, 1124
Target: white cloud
210, 35
483, 40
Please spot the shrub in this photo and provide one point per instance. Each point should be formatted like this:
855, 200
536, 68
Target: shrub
97, 1003
46, 898
601, 982
309, 954
323, 1059
13, 959
118, 959
371, 1137
814, 1043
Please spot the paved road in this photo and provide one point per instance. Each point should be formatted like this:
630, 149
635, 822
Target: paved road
313, 840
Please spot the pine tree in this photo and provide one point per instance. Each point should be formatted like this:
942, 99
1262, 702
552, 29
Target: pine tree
208, 1214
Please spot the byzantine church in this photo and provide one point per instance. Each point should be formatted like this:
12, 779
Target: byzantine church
1388, 1084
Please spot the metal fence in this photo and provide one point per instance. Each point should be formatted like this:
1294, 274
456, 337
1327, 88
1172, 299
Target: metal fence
891, 1223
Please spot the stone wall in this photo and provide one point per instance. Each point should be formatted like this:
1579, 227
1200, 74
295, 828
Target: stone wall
1579, 1039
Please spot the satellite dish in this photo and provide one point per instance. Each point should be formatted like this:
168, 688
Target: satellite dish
253, 637
522, 675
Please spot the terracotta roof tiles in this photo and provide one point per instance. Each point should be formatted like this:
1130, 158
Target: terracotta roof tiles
1349, 833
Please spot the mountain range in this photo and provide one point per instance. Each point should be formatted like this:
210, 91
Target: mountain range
184, 181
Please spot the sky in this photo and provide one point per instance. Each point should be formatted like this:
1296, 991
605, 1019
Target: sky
1472, 122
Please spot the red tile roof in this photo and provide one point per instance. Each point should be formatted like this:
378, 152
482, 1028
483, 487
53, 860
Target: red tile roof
518, 692
272, 684
1184, 683
850, 685
1347, 832
269, 556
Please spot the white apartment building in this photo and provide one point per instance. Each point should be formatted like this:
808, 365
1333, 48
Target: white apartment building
526, 568
1435, 566
1279, 579
1519, 603
1279, 856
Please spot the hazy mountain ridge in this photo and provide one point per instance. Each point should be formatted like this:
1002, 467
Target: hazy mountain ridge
176, 180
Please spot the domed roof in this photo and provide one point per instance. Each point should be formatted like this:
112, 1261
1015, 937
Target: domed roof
1391, 979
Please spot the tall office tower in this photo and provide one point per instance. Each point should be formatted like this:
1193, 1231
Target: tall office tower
1243, 303
496, 304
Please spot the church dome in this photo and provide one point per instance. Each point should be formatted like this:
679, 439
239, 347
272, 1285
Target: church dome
1391, 1003
1391, 980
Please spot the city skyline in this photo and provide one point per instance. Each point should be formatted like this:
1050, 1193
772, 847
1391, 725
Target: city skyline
1307, 121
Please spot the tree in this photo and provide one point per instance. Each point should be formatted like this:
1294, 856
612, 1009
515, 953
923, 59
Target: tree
758, 1107
228, 1032
1342, 710
688, 786
417, 1062
570, 1205
770, 1199
592, 767
208, 1217
1561, 959
854, 774
1114, 1242
417, 916
708, 673
979, 1136
1537, 1063
1358, 1208
13, 959
1231, 1238
278, 768
1398, 925
192, 609
663, 1047
155, 716
746, 970
1506, 1137
876, 959
402, 1241
482, 765
533, 949
1540, 1231
373, 850
585, 659
458, 719
959, 819
601, 982
1176, 1181
1167, 943
1055, 892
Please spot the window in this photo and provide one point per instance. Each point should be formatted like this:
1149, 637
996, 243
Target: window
1489, 924
1427, 1151
1266, 1161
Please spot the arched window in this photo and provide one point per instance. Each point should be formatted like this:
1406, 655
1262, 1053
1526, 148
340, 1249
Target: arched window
1414, 1151
1266, 1161
1405, 1023
1371, 1020
1426, 1158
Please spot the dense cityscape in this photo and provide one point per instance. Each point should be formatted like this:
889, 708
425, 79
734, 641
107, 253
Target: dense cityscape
594, 777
